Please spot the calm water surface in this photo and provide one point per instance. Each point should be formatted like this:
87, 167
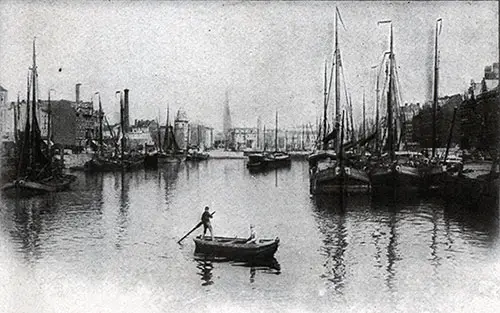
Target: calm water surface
110, 245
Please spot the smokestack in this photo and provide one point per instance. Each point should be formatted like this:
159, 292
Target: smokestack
77, 92
126, 111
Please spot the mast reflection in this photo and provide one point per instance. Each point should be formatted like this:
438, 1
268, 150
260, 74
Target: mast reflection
331, 222
122, 217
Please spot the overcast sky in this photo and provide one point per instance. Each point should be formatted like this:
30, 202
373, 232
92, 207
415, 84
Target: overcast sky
269, 55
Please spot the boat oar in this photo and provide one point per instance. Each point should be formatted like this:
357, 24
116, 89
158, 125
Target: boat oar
192, 230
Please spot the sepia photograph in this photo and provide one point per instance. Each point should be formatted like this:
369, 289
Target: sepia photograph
249, 156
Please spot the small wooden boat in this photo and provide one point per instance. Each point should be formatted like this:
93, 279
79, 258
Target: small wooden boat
236, 248
52, 184
197, 155
37, 171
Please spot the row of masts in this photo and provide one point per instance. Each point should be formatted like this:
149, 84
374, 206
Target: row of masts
392, 119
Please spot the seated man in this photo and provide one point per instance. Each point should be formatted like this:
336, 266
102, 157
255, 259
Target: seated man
253, 236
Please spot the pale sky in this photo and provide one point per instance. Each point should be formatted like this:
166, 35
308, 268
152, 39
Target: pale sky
269, 55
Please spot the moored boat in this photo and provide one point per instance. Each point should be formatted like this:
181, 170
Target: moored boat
269, 159
236, 248
37, 170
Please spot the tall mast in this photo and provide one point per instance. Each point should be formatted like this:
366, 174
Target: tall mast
377, 105
390, 112
167, 139
159, 133
325, 107
122, 123
390, 118
364, 116
303, 133
49, 121
100, 124
258, 143
33, 103
436, 86
276, 134
264, 138
337, 78
16, 114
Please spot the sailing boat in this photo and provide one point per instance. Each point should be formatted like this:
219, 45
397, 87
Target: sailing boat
331, 169
37, 171
171, 152
434, 174
394, 169
120, 160
198, 153
269, 160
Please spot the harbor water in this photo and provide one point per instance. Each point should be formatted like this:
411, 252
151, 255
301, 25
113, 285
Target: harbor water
110, 245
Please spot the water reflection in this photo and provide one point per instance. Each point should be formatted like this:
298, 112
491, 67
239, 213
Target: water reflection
331, 221
481, 220
122, 218
205, 267
267, 266
170, 174
392, 256
28, 226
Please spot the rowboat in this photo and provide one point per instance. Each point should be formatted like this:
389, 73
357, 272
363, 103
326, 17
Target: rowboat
236, 248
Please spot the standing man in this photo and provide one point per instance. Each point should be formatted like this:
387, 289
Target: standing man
205, 219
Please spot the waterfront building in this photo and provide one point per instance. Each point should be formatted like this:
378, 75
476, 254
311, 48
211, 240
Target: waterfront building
242, 138
142, 132
181, 129
479, 113
422, 123
201, 134
6, 116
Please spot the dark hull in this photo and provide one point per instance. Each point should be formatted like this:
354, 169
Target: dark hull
197, 156
461, 188
396, 177
262, 163
236, 248
433, 178
108, 165
59, 183
151, 160
334, 181
171, 158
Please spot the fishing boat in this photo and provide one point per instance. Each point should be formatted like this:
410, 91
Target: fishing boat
197, 155
37, 170
171, 152
394, 169
236, 248
333, 169
269, 159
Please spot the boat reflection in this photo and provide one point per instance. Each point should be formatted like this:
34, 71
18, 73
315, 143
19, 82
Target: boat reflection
205, 266
170, 175
267, 266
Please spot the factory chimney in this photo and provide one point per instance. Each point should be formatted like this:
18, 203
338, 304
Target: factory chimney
126, 115
77, 92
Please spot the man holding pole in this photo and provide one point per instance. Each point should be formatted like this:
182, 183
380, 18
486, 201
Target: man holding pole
205, 219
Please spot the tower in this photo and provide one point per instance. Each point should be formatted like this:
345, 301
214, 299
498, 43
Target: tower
226, 126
